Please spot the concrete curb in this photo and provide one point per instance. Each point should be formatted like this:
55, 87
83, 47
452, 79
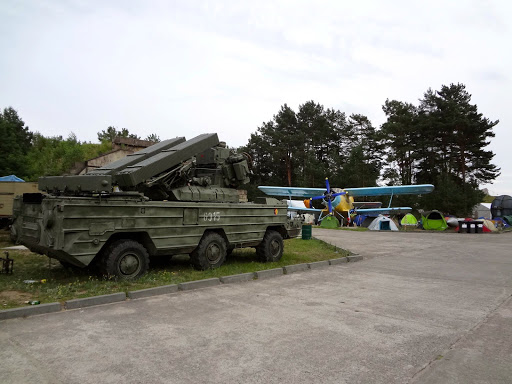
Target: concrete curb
30, 311
319, 264
267, 273
238, 278
341, 260
95, 300
148, 292
173, 288
189, 285
354, 257
296, 268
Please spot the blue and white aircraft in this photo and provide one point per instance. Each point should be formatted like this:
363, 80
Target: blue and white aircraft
341, 201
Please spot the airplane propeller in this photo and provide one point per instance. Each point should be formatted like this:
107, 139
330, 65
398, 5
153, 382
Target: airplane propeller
328, 196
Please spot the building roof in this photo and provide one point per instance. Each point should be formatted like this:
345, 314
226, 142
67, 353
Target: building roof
132, 142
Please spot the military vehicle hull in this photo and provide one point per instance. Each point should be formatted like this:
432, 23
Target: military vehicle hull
79, 230
176, 197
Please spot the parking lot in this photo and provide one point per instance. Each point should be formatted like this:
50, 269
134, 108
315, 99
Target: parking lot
421, 307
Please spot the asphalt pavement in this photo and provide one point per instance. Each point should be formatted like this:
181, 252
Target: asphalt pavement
421, 307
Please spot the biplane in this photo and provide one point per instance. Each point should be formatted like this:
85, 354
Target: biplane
341, 202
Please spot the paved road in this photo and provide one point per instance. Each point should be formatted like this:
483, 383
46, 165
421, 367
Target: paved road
421, 308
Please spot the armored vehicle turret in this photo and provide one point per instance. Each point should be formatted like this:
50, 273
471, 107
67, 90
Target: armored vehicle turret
176, 197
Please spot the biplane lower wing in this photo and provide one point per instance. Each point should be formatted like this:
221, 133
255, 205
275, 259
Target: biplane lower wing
290, 208
383, 211
361, 211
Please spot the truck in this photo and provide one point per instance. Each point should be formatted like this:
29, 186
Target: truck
8, 191
173, 198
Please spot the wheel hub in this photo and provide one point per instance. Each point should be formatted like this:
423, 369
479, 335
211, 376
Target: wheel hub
213, 253
129, 264
275, 247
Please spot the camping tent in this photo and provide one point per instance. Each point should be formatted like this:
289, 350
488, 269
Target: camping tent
489, 226
409, 220
500, 222
382, 223
11, 178
330, 222
363, 220
482, 210
501, 206
433, 220
452, 221
359, 219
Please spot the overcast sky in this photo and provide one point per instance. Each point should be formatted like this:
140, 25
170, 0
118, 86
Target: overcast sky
181, 68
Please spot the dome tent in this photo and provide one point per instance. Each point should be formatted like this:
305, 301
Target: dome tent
501, 206
329, 222
382, 223
409, 220
433, 220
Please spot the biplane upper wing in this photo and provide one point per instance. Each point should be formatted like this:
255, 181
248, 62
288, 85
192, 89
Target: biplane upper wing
391, 190
292, 191
365, 191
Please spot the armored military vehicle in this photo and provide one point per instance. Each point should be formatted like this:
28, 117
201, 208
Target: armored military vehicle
175, 197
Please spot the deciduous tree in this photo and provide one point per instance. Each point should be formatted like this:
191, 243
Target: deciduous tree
15, 142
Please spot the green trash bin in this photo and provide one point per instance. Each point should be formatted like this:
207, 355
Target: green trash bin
307, 230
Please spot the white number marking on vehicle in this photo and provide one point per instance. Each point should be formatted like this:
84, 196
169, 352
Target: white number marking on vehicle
211, 216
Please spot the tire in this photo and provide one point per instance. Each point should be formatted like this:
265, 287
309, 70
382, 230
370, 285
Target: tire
125, 259
271, 247
210, 253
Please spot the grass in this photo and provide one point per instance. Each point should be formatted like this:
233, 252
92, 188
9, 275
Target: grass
64, 284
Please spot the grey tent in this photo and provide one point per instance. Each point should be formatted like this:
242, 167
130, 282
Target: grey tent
383, 223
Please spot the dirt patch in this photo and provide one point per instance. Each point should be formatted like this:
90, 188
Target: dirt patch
10, 297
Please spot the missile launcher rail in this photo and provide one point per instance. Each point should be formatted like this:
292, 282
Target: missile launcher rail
200, 169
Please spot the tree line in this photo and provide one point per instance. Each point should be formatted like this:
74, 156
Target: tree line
31, 155
440, 141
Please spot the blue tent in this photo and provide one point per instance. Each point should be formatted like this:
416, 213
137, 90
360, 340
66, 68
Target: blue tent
11, 178
359, 219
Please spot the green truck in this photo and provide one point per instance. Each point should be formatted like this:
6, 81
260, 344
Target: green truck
175, 197
8, 191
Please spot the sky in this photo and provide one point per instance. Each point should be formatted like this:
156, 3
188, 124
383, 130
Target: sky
182, 68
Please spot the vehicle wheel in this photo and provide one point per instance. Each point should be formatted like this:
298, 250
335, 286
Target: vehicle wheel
271, 247
210, 253
125, 259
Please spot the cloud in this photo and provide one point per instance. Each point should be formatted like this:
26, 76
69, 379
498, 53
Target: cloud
172, 67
